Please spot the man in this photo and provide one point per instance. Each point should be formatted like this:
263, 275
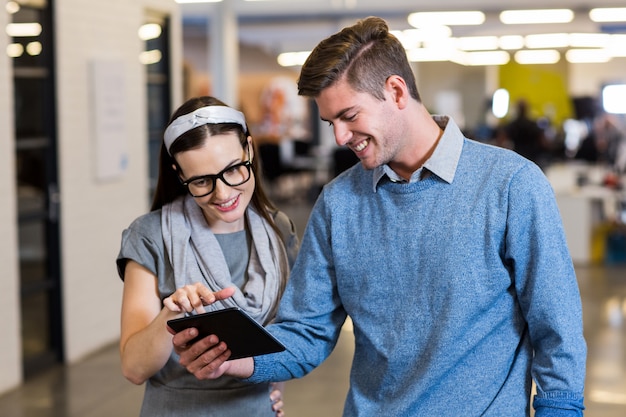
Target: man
448, 255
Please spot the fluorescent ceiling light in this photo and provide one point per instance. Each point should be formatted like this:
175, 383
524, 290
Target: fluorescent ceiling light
589, 40
150, 57
197, 1
413, 38
586, 56
425, 19
477, 43
448, 44
546, 56
23, 29
34, 48
547, 40
12, 7
429, 54
482, 58
15, 50
617, 46
149, 31
292, 59
509, 42
609, 14
518, 17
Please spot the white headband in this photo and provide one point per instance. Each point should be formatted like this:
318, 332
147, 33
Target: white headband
202, 116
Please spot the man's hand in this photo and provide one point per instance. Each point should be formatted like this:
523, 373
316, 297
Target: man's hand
207, 358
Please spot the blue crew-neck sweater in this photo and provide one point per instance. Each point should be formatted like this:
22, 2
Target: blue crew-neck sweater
459, 285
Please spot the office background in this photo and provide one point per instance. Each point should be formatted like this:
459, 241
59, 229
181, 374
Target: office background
101, 136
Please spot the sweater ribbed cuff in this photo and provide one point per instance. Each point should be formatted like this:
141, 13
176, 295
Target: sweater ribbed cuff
558, 404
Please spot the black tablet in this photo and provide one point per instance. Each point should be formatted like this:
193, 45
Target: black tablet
241, 333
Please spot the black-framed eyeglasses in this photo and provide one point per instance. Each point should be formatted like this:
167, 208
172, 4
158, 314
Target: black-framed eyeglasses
232, 176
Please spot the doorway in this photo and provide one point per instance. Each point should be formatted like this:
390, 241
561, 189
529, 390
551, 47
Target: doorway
38, 202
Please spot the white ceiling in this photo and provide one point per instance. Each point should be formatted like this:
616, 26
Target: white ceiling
298, 25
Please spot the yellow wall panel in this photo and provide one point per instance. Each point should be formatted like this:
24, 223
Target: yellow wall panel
544, 87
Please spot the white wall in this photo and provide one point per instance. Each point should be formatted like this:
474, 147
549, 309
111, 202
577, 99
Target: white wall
94, 212
588, 79
10, 351
437, 78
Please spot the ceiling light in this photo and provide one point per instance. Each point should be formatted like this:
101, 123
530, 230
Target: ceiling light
477, 43
425, 19
517, 17
150, 57
197, 1
589, 40
616, 46
547, 40
412, 38
149, 31
292, 59
15, 50
546, 56
34, 48
509, 42
430, 54
587, 56
483, 58
609, 14
448, 44
12, 7
434, 31
23, 29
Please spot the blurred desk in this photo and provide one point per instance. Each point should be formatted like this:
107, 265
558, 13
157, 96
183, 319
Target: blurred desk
582, 214
584, 208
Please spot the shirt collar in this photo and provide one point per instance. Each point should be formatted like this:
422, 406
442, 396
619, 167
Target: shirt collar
442, 162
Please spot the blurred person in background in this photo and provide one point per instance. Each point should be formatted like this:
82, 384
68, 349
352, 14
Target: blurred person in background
526, 136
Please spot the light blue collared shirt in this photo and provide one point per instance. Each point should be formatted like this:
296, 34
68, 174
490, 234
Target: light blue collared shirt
442, 162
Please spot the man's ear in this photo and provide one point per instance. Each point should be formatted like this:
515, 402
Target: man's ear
396, 87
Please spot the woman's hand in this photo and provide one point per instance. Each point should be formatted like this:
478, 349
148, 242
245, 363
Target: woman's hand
208, 358
194, 297
276, 398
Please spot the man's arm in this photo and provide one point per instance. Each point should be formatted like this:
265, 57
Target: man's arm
547, 290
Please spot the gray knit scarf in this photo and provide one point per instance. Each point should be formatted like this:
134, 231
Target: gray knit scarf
196, 256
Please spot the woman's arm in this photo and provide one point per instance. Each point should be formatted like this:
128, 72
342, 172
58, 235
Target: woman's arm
145, 343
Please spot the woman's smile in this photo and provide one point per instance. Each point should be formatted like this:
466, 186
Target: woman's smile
229, 205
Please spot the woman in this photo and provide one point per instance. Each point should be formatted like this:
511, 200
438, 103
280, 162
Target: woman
211, 240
